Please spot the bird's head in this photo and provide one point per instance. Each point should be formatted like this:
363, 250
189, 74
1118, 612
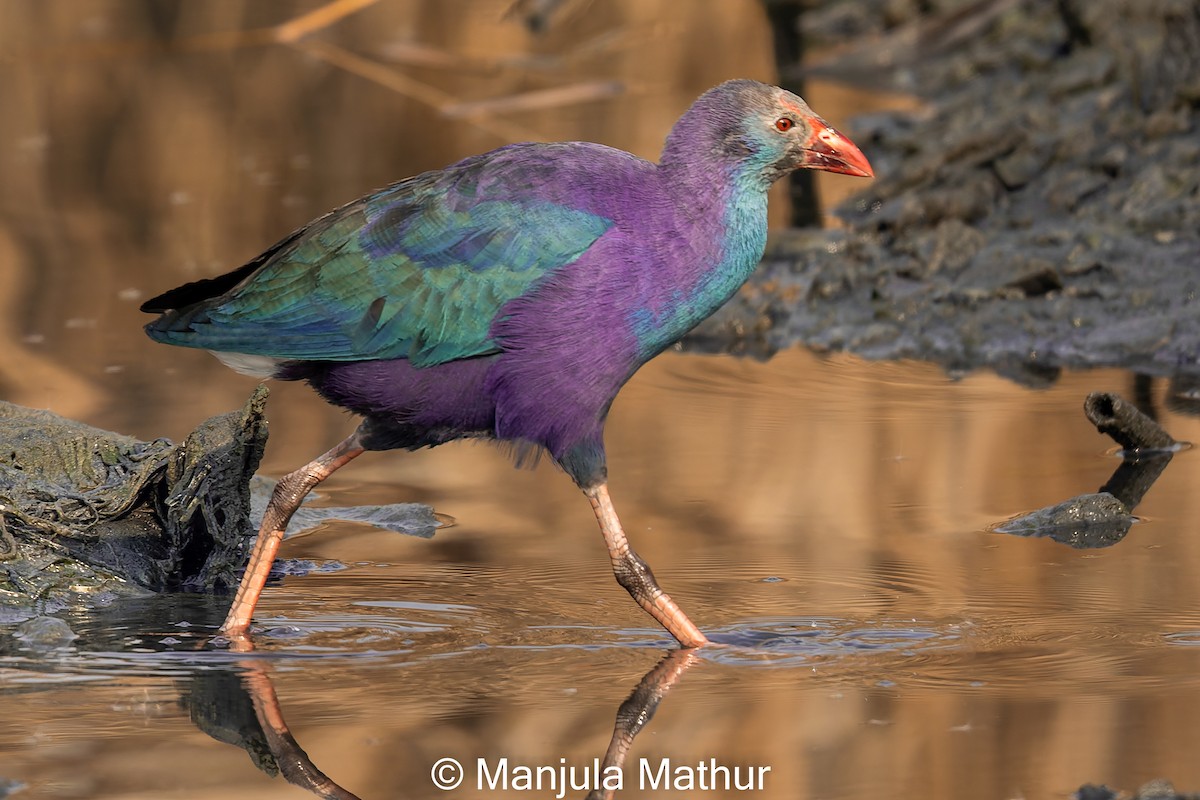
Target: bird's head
764, 128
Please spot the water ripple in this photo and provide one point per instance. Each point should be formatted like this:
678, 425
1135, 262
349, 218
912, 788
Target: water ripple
790, 641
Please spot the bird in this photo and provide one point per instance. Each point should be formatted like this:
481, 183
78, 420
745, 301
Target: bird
508, 297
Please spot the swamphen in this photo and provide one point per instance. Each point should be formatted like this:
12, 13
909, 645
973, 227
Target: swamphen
509, 297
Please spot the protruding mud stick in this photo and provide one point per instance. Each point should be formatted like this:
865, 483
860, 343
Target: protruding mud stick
638, 709
1121, 420
1102, 519
1147, 446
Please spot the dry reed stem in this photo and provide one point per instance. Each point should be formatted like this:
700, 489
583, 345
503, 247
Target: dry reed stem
409, 87
297, 31
536, 100
318, 19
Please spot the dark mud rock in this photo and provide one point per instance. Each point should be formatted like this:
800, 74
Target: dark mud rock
88, 513
1102, 519
45, 633
10, 787
1183, 395
1154, 790
1128, 426
1016, 276
1043, 207
1086, 521
411, 519
1022, 165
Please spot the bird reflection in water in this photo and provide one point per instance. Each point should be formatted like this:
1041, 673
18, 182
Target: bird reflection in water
240, 707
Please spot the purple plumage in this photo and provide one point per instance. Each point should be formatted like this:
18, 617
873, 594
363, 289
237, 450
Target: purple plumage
510, 296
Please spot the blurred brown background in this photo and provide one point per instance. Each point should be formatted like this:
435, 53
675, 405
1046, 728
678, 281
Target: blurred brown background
143, 144
152, 143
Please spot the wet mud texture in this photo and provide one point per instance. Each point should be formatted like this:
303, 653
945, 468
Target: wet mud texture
1154, 790
1040, 211
1103, 518
85, 513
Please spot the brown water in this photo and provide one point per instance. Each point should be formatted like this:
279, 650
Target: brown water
825, 517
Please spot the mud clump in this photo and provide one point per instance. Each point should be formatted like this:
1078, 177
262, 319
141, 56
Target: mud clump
1041, 212
1154, 790
85, 513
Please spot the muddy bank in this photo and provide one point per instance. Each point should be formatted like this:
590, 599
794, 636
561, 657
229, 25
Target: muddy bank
1154, 790
1041, 211
87, 515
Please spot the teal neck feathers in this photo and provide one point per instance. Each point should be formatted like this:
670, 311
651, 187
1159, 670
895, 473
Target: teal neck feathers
739, 213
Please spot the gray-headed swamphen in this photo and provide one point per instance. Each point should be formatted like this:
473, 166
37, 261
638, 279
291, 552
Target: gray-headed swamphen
509, 297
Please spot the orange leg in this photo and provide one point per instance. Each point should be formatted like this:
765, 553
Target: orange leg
286, 498
634, 574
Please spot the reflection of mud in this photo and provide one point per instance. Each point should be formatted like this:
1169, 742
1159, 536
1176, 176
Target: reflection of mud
242, 709
1102, 519
1042, 212
233, 700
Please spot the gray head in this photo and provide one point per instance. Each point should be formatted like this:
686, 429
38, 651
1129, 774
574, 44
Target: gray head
762, 128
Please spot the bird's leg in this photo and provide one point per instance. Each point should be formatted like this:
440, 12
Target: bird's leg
634, 574
286, 498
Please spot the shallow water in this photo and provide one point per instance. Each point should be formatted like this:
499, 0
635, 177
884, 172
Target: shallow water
825, 519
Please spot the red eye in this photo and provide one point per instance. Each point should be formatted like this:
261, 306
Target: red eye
784, 124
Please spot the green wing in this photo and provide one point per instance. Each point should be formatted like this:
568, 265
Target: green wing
418, 271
